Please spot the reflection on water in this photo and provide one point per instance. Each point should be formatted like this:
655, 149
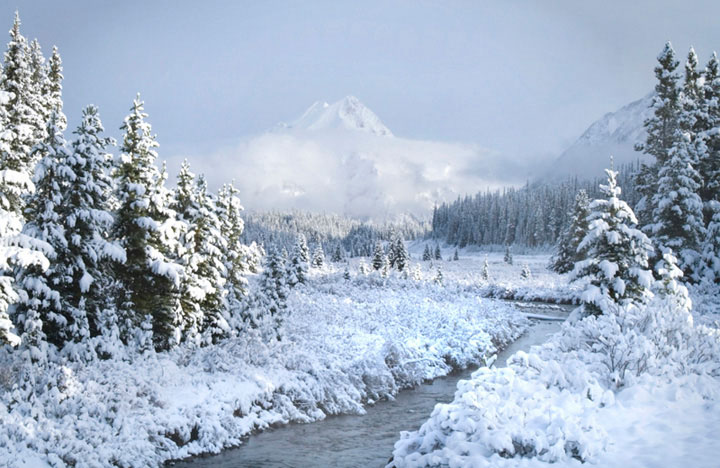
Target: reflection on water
355, 440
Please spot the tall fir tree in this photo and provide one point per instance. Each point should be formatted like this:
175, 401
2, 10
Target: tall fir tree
150, 278
271, 297
616, 270
42, 313
88, 220
298, 264
378, 256
53, 88
661, 128
567, 251
709, 159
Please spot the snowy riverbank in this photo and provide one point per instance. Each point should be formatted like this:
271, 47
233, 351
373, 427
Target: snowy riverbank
347, 344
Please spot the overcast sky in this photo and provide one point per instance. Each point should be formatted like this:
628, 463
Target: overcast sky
523, 78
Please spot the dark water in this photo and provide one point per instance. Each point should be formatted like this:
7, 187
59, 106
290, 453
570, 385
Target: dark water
358, 440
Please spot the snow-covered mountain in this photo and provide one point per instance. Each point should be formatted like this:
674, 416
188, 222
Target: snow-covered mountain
348, 113
341, 158
616, 134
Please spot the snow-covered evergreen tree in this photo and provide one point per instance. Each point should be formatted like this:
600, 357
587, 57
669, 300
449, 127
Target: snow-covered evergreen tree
378, 256
710, 264
508, 258
677, 213
338, 255
42, 312
271, 297
486, 270
616, 270
567, 253
438, 277
662, 129
709, 136
456, 256
150, 277
398, 256
525, 273
318, 259
426, 256
298, 265
23, 124
438, 255
53, 88
237, 255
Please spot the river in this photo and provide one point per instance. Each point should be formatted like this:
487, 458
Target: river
364, 440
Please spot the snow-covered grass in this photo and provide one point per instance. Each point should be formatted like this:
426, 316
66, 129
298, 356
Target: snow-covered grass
346, 344
636, 388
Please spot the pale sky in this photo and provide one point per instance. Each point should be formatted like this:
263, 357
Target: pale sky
524, 78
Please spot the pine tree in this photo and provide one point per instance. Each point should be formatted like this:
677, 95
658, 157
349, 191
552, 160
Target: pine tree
486, 270
237, 254
337, 254
677, 206
456, 257
615, 271
710, 266
303, 248
88, 221
400, 258
508, 258
378, 255
567, 252
53, 88
149, 278
318, 259
662, 129
438, 255
43, 314
427, 256
438, 277
709, 139
271, 298
298, 266
23, 124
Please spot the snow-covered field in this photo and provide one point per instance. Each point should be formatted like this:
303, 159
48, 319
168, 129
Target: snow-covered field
634, 389
348, 343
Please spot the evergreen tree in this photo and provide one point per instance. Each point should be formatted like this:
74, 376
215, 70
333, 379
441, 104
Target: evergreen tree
346, 273
53, 88
438, 255
298, 266
709, 138
23, 124
567, 252
43, 313
363, 268
615, 271
337, 254
486, 270
378, 255
318, 259
237, 254
710, 266
662, 129
88, 220
143, 226
303, 248
427, 256
438, 277
508, 258
399, 254
525, 273
271, 299
677, 209
456, 257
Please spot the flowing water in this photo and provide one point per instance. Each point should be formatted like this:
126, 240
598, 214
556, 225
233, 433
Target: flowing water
364, 440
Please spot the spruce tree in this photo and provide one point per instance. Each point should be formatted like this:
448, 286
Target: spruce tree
337, 254
88, 221
662, 129
43, 312
150, 278
710, 265
456, 257
271, 297
378, 255
508, 258
567, 250
438, 255
400, 257
616, 268
318, 259
298, 265
53, 88
486, 270
709, 159
427, 256
229, 211
23, 124
303, 248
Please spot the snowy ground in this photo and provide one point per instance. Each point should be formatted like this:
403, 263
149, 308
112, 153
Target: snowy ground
348, 343
570, 402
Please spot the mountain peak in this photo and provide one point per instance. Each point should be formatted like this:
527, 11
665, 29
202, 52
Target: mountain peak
348, 113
